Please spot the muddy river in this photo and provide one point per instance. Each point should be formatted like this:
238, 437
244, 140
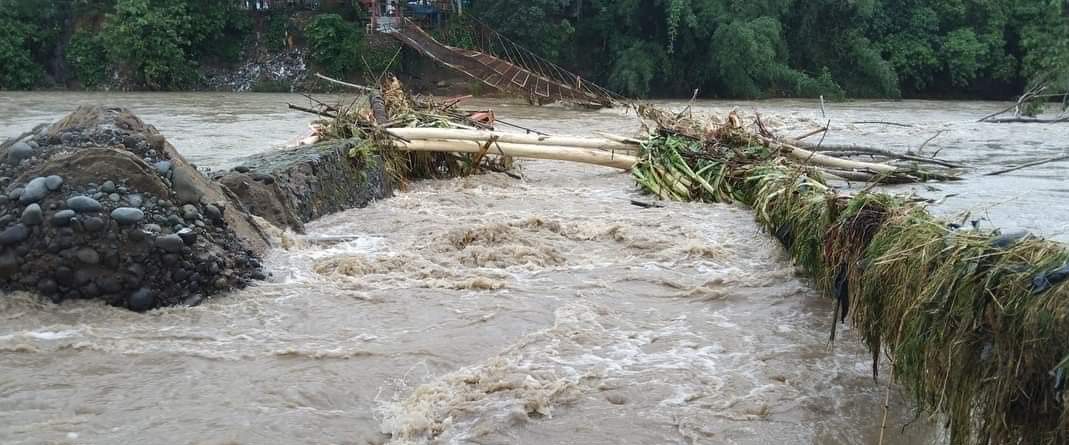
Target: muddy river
491, 310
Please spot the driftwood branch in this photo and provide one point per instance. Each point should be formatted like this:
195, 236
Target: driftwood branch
1030, 164
1035, 92
925, 144
320, 103
812, 133
896, 124
342, 83
311, 111
1027, 120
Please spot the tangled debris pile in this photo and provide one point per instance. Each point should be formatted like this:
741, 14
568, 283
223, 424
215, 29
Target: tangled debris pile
974, 322
367, 118
100, 205
423, 138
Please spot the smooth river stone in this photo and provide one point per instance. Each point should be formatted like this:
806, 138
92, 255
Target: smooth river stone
63, 218
170, 243
32, 215
127, 215
142, 300
83, 204
35, 191
18, 152
14, 234
53, 182
88, 256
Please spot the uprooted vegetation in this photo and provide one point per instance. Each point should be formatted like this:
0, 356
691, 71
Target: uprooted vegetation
972, 321
368, 117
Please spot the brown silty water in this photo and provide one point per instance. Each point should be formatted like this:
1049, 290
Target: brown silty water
481, 310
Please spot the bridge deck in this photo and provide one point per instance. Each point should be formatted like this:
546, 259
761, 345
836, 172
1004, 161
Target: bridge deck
535, 83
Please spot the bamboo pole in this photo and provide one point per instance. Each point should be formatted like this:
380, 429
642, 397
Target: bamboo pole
518, 138
529, 151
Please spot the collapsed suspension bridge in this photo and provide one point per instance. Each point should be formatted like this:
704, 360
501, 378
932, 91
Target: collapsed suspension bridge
500, 63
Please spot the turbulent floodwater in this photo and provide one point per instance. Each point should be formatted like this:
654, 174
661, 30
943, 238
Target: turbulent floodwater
492, 310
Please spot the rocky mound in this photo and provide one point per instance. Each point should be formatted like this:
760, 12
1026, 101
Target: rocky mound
100, 205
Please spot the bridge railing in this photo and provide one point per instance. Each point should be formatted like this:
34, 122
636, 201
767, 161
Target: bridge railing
491, 42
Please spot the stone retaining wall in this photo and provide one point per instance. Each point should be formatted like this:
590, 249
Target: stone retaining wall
291, 187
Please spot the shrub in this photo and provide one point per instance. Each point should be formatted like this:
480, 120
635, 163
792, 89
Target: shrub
335, 44
17, 69
151, 41
87, 56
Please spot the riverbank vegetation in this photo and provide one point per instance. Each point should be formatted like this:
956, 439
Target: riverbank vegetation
640, 48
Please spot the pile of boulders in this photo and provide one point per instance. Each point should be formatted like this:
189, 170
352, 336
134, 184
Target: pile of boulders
100, 205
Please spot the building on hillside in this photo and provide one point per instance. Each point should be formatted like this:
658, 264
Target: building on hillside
267, 5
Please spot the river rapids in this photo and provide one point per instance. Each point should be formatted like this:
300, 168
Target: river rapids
493, 310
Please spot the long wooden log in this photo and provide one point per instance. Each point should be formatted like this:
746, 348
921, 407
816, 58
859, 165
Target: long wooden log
529, 151
518, 138
814, 158
878, 152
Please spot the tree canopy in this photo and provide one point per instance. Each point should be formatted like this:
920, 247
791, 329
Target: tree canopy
726, 48
758, 48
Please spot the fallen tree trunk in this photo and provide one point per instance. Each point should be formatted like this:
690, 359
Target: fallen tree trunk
529, 151
857, 149
822, 160
1027, 120
518, 138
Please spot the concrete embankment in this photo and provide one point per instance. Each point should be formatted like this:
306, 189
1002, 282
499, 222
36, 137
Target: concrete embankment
100, 205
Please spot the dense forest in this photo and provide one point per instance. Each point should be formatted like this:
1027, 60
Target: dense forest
756, 48
726, 48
